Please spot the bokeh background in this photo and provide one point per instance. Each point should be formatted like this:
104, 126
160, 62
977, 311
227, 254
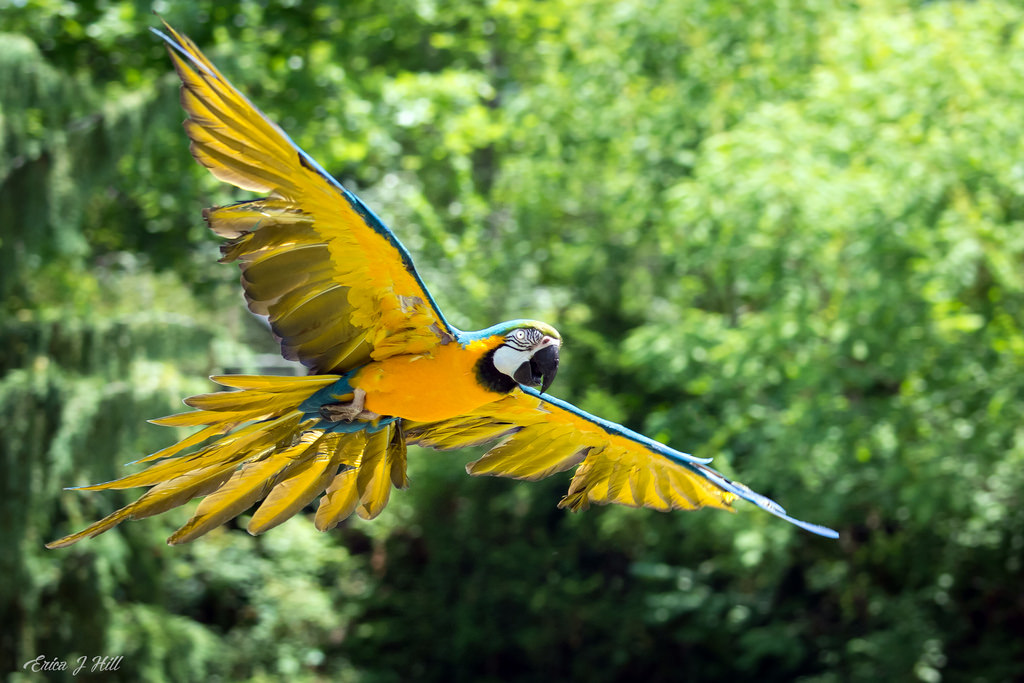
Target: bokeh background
787, 235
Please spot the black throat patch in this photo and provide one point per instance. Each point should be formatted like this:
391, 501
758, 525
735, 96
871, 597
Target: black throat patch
490, 377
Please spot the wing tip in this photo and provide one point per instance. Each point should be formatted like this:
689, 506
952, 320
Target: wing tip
769, 505
813, 528
180, 44
160, 34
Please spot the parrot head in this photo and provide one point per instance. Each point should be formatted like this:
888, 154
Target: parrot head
527, 354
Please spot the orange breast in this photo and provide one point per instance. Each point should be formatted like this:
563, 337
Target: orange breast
427, 388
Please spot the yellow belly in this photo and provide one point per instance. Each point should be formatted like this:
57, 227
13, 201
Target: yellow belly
426, 388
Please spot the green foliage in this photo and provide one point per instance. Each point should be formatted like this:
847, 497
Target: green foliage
784, 235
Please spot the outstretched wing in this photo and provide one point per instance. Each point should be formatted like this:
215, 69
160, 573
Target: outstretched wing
541, 435
336, 285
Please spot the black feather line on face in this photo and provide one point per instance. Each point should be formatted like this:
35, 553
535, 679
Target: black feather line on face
530, 338
491, 377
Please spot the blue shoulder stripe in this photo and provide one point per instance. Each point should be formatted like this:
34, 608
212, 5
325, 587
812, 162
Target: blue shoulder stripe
617, 429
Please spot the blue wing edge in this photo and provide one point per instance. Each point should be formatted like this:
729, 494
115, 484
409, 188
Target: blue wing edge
696, 465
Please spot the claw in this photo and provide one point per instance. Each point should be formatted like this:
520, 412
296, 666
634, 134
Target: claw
349, 412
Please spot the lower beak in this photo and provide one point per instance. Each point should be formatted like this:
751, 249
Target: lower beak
543, 368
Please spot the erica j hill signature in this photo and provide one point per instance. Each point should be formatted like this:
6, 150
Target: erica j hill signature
95, 664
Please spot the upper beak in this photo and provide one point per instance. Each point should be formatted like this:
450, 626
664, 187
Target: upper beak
544, 366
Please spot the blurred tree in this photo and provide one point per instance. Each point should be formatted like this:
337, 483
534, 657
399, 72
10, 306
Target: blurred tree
787, 236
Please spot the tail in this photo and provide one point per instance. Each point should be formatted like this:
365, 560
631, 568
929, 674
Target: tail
273, 447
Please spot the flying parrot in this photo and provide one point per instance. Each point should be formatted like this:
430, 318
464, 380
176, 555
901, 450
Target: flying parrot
386, 369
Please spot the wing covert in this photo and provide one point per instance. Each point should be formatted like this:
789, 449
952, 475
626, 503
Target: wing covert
541, 435
336, 286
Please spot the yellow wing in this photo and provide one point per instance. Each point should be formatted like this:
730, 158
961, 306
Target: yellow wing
271, 447
336, 285
541, 435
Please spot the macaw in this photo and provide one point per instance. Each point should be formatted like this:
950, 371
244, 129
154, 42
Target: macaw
341, 294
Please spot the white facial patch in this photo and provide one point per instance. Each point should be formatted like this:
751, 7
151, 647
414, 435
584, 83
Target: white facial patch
507, 359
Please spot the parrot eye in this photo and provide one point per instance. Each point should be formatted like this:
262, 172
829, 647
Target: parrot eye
520, 335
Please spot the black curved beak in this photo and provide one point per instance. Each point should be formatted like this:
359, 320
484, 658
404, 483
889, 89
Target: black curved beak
540, 369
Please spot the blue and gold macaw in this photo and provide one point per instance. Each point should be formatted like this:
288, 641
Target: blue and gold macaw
386, 369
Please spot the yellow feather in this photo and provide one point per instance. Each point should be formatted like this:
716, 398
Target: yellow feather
601, 481
159, 499
267, 279
576, 502
350, 354
459, 433
663, 487
236, 401
225, 116
247, 485
239, 154
196, 418
108, 522
534, 453
274, 384
302, 485
342, 496
214, 101
188, 441
641, 486
239, 221
312, 317
578, 498
272, 237
328, 351
217, 164
181, 489
684, 491
308, 292
374, 477
249, 439
701, 491
162, 471
397, 456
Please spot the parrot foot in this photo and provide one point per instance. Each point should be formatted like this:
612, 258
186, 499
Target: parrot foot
349, 412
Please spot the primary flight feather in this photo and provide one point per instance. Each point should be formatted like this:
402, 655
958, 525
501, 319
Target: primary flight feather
386, 368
